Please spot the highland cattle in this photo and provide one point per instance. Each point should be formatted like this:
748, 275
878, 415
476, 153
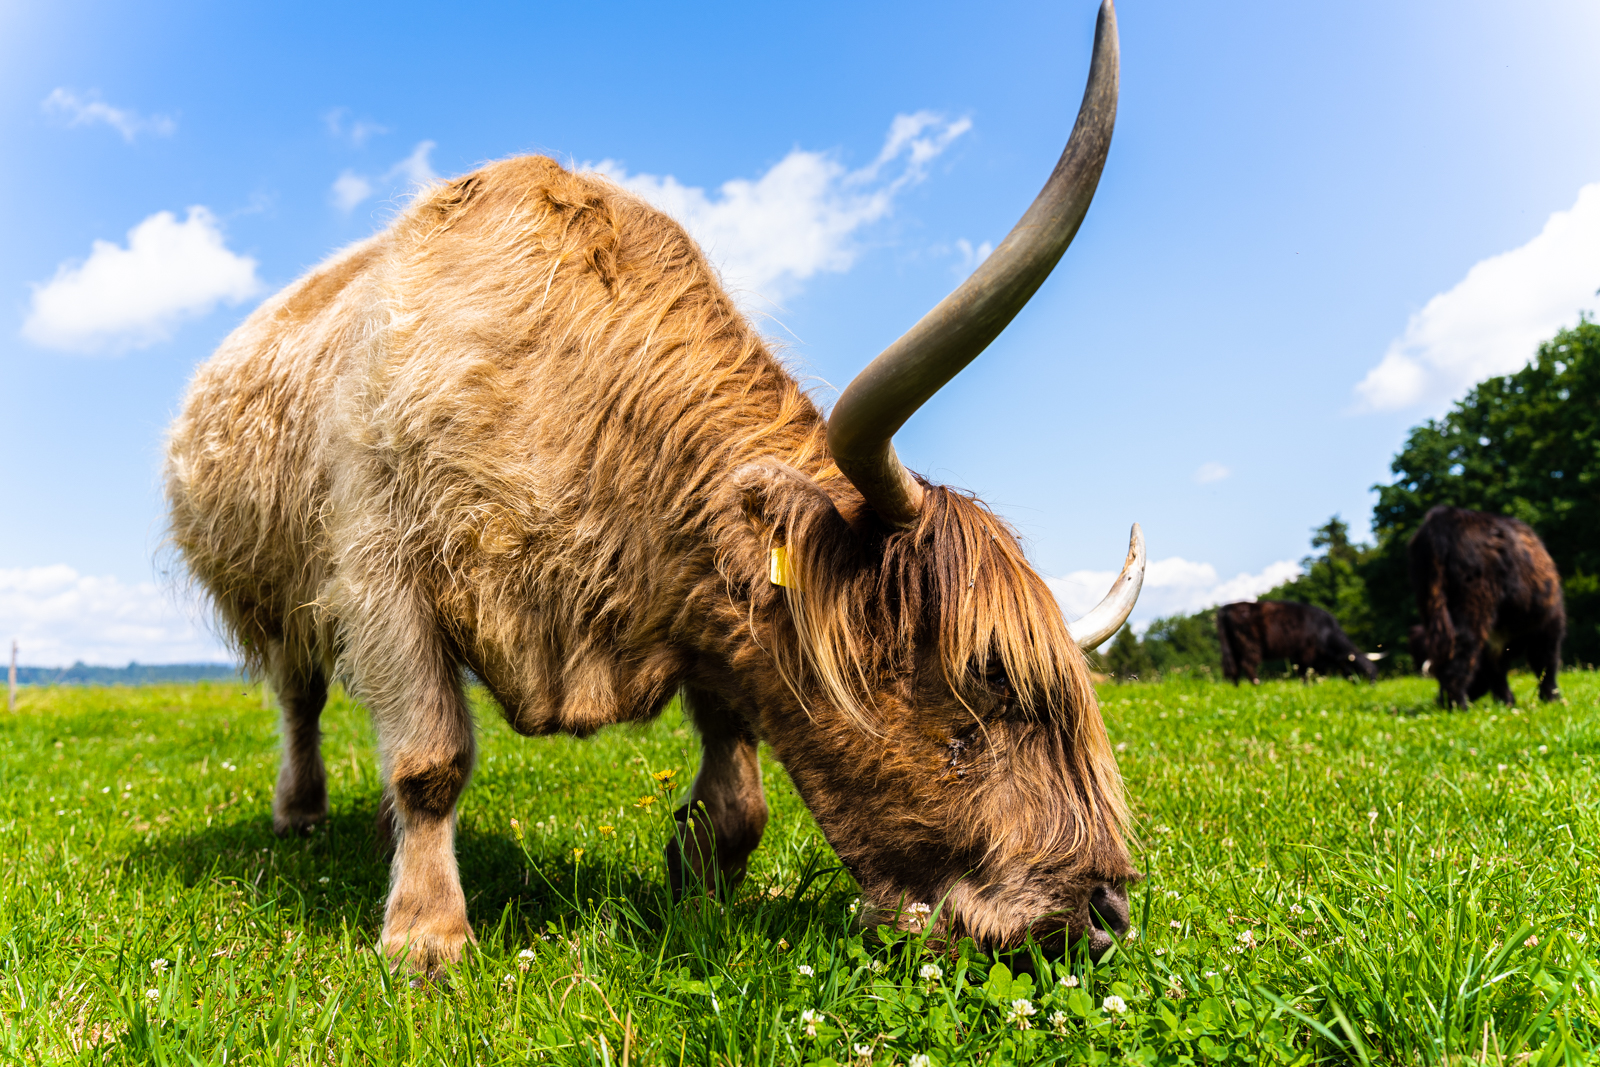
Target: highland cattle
1307, 636
1488, 592
524, 432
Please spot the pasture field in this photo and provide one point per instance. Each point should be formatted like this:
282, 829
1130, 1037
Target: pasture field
1337, 873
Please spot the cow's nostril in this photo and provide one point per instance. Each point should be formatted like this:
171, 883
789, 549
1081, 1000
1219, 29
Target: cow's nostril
1108, 908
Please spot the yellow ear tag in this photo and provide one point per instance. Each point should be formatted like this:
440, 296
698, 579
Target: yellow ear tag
781, 574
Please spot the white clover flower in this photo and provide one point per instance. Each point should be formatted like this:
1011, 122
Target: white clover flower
920, 1059
1172, 893
1114, 1004
1295, 909
152, 994
324, 880
1132, 934
159, 966
805, 969
1161, 952
931, 972
864, 1051
1533, 940
917, 915
509, 981
875, 966
1070, 981
1058, 1021
1175, 924
1020, 1011
1247, 938
1210, 974
809, 1019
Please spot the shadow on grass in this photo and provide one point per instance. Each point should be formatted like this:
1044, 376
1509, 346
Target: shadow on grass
336, 879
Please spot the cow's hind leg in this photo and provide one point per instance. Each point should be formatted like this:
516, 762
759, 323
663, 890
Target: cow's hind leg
301, 799
726, 813
1545, 659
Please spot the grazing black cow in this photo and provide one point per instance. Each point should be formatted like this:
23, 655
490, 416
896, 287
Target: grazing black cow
1488, 592
1306, 636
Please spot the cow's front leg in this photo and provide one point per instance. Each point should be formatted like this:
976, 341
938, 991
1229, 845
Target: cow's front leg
726, 813
427, 747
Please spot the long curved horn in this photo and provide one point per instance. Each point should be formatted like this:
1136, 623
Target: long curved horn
1091, 631
892, 387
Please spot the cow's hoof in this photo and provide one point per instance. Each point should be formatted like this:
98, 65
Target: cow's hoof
427, 952
297, 823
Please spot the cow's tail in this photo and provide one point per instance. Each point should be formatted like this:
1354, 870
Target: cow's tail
1230, 667
1435, 608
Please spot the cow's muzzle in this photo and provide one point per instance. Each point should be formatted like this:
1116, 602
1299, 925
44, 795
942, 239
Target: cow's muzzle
1108, 917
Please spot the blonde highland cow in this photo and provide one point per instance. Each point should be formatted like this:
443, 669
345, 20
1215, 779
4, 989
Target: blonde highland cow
525, 431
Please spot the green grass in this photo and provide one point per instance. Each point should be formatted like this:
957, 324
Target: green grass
1336, 873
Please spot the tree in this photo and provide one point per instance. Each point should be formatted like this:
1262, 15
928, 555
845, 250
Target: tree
1335, 581
1525, 444
1185, 642
1127, 659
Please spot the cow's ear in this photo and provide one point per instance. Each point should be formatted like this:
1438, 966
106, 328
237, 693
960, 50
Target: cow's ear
782, 503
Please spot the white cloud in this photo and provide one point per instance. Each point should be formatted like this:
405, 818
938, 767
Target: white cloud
59, 616
1495, 317
356, 132
350, 188
1171, 586
769, 234
122, 298
1211, 472
415, 167
970, 256
85, 110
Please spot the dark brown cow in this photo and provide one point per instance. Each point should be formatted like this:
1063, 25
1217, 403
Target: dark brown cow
525, 431
1306, 636
1488, 592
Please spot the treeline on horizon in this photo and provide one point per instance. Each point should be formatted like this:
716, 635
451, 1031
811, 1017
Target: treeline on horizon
81, 673
1525, 444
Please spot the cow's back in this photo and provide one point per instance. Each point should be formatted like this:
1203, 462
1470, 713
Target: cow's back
1482, 570
523, 403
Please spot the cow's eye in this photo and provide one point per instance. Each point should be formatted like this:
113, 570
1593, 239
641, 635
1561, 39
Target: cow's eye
999, 684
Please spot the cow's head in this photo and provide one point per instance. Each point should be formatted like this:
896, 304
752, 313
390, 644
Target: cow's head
952, 749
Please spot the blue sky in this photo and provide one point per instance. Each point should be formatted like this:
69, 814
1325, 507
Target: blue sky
1317, 225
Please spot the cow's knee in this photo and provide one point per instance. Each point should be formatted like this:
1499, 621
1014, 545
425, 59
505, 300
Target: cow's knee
427, 788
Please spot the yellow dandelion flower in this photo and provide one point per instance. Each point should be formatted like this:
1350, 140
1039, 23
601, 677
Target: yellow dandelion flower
577, 854
607, 831
645, 802
665, 777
